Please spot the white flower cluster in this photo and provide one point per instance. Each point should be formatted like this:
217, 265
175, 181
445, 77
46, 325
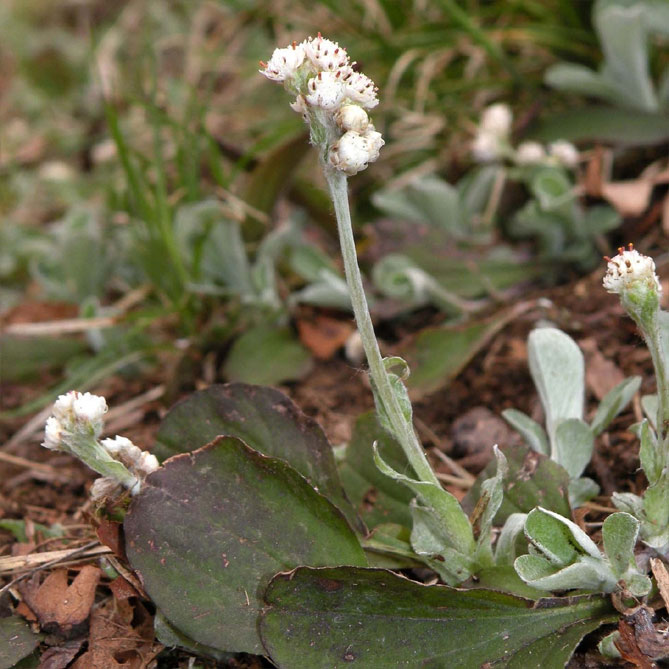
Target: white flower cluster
627, 268
331, 94
74, 413
75, 426
138, 462
493, 142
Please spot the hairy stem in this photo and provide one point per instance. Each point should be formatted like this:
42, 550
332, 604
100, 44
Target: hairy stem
402, 428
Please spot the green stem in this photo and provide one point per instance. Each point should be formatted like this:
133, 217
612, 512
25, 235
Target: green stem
653, 338
402, 428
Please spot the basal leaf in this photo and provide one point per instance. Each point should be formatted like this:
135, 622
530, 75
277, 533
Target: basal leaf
16, 641
533, 480
266, 356
266, 420
378, 620
437, 355
209, 530
377, 497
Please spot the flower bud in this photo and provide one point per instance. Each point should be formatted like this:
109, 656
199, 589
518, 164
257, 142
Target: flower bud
530, 153
352, 117
486, 147
374, 141
564, 152
53, 434
496, 120
350, 154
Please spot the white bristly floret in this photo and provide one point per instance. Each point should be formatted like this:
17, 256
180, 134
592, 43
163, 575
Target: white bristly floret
564, 152
139, 462
496, 120
352, 117
627, 268
284, 63
350, 154
530, 153
361, 89
374, 141
62, 408
89, 408
53, 434
326, 90
325, 55
105, 487
299, 105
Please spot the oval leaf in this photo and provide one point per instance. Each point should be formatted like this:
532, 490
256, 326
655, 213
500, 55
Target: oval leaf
372, 618
533, 480
209, 530
16, 641
266, 420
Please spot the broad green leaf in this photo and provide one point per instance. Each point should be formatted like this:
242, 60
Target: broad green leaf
533, 480
619, 534
586, 573
171, 637
607, 124
552, 188
504, 578
266, 356
629, 503
25, 358
324, 618
437, 355
613, 403
507, 541
272, 174
266, 420
209, 529
16, 641
558, 537
556, 365
581, 490
533, 434
573, 445
426, 200
377, 497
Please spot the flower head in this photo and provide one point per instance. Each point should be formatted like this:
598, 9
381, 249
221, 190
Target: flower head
325, 55
332, 99
628, 268
284, 63
326, 90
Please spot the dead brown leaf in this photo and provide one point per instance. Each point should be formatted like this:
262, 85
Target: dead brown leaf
324, 335
61, 608
601, 374
115, 643
662, 577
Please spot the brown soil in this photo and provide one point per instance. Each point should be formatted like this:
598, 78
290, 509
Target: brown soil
463, 416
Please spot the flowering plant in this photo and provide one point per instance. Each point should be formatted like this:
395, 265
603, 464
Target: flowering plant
252, 537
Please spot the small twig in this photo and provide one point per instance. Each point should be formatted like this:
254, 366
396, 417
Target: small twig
39, 561
30, 464
455, 480
464, 476
63, 326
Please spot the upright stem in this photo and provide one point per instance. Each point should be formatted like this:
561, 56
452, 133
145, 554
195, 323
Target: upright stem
402, 428
654, 342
